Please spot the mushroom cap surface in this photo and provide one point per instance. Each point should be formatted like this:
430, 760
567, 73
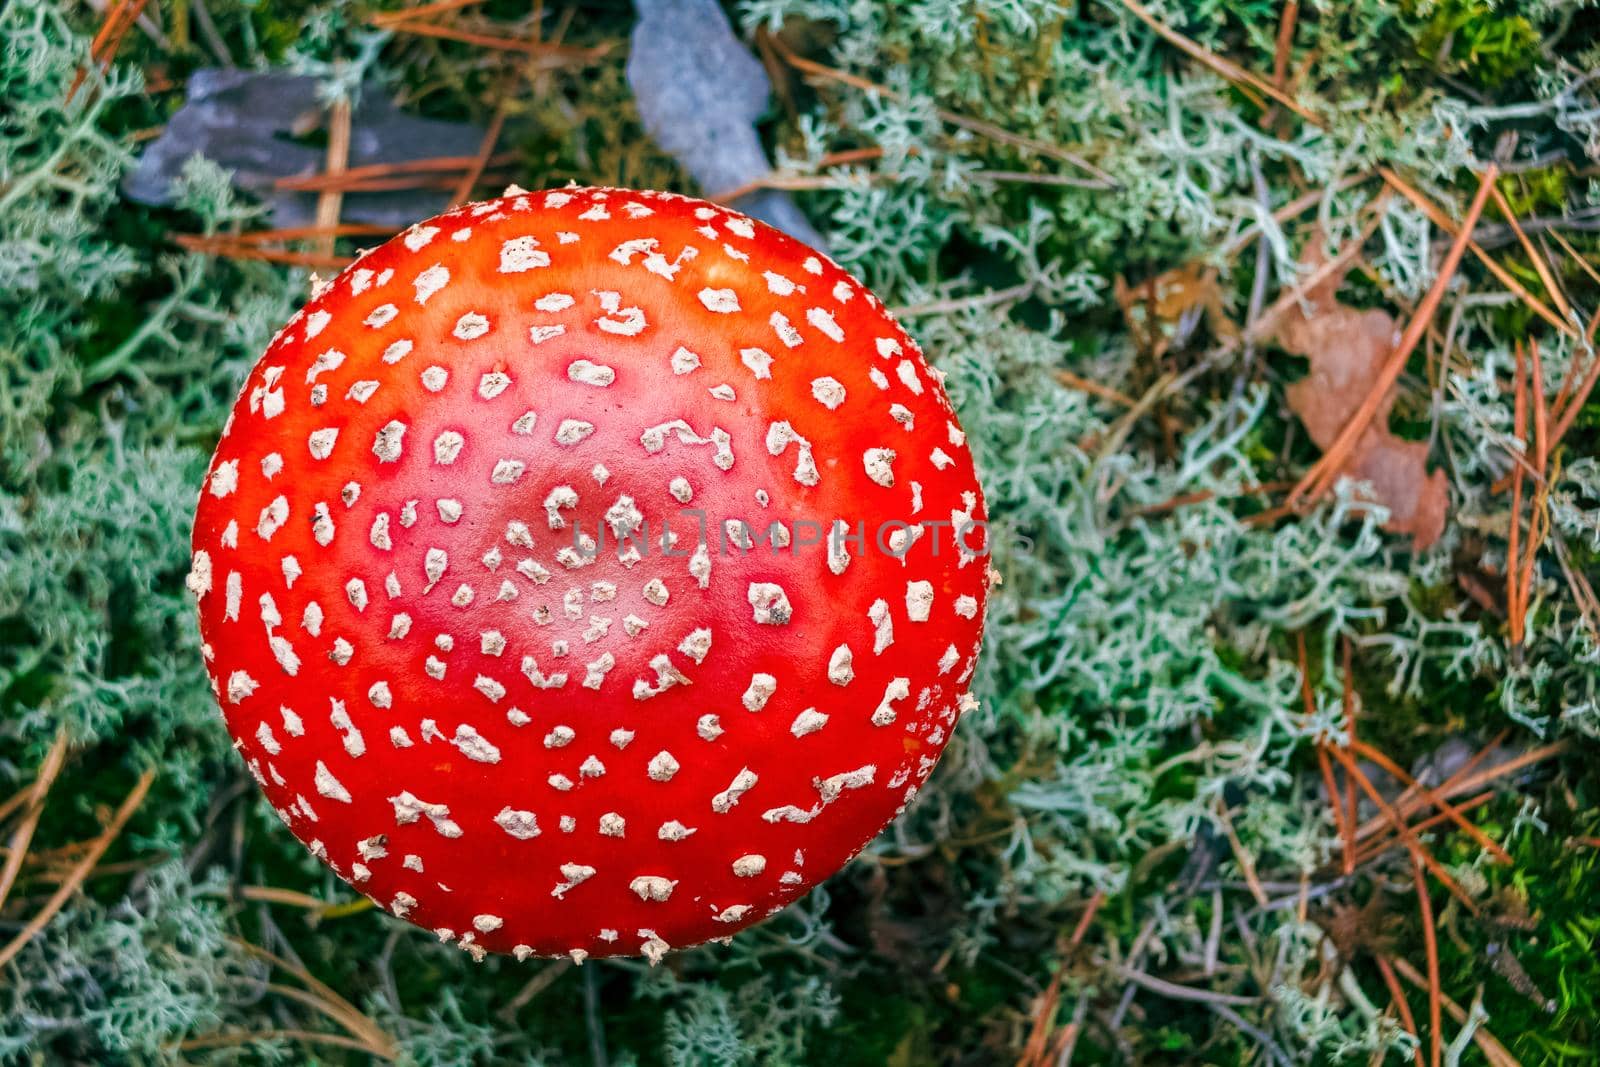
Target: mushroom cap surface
478, 609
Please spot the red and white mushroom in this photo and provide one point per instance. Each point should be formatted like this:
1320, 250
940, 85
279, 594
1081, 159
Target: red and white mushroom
460, 616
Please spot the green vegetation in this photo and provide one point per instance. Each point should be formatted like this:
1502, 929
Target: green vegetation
1143, 751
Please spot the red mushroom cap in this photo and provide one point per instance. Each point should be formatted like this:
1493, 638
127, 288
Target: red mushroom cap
460, 616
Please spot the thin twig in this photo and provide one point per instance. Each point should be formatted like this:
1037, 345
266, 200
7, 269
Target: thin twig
1247, 865
591, 1017
1174, 991
1430, 943
965, 303
474, 173
331, 200
1297, 206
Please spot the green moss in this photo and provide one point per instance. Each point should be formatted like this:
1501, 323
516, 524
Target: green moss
1478, 39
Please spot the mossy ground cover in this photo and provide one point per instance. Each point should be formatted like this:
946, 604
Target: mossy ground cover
1131, 851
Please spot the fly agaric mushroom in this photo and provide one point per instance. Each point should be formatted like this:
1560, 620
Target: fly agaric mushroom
477, 602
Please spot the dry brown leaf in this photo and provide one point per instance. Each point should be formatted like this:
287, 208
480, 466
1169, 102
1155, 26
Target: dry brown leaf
1165, 308
1346, 347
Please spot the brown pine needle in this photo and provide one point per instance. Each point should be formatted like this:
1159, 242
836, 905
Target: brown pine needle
119, 19
1538, 519
778, 180
1370, 852
1401, 1005
1557, 297
1410, 800
1445, 807
553, 54
1400, 826
1580, 397
1094, 388
1541, 415
1035, 1051
1280, 53
1320, 478
301, 233
319, 909
1226, 68
1090, 910
1582, 591
231, 250
998, 134
412, 173
1578, 257
15, 802
1515, 604
1348, 699
1463, 784
325, 1000
1430, 944
1200, 496
80, 871
1329, 783
1437, 216
1492, 1049
273, 895
438, 7
17, 848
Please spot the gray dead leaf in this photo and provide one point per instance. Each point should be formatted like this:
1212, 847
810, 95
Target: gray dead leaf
699, 92
245, 120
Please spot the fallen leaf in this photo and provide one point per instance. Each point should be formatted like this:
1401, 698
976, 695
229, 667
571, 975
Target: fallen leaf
245, 121
1164, 310
1346, 347
700, 92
